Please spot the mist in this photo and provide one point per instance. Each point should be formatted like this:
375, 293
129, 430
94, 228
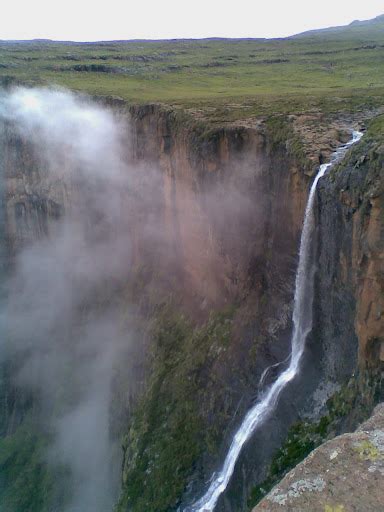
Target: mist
62, 322
93, 233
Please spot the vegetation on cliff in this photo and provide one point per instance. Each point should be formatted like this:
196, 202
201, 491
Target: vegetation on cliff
171, 427
344, 410
28, 482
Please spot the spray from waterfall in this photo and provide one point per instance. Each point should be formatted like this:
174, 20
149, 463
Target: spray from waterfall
59, 320
302, 325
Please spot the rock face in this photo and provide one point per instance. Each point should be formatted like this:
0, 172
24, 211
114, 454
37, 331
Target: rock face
218, 199
231, 199
232, 202
351, 258
214, 221
343, 475
214, 218
348, 326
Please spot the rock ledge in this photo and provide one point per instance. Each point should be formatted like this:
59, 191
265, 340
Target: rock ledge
345, 474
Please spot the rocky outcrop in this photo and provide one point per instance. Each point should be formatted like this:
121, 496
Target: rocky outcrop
343, 475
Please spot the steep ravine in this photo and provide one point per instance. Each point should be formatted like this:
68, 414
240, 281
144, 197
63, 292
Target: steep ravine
322, 377
232, 375
210, 287
245, 228
210, 271
213, 284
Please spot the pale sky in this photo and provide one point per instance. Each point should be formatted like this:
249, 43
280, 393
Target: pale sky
92, 20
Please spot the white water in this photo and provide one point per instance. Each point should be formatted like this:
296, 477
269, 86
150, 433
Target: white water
302, 325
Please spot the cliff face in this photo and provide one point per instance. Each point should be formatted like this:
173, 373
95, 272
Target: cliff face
350, 296
230, 198
214, 217
213, 231
346, 340
231, 208
214, 195
31, 196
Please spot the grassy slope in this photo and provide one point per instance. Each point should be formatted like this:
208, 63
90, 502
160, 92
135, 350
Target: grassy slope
330, 70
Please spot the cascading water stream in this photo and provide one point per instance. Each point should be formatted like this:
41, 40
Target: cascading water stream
302, 325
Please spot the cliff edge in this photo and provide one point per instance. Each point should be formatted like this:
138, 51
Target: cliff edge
343, 475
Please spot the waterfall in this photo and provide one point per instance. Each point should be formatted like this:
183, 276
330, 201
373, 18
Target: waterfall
302, 325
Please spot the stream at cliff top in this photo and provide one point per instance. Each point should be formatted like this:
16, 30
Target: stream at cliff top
302, 326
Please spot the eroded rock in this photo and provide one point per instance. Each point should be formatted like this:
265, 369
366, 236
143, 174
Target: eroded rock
345, 474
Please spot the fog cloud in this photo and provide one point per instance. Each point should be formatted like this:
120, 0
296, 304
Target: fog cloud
62, 321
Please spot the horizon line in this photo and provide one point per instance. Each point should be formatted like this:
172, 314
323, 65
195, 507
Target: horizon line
173, 39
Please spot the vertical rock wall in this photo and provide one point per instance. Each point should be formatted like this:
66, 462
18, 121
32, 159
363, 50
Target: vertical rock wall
350, 299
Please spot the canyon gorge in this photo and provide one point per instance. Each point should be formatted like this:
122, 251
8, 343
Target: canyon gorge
149, 261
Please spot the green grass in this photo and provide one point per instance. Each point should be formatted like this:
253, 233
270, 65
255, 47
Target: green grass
27, 482
376, 129
229, 79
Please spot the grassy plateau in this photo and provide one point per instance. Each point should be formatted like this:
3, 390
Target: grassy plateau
228, 79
